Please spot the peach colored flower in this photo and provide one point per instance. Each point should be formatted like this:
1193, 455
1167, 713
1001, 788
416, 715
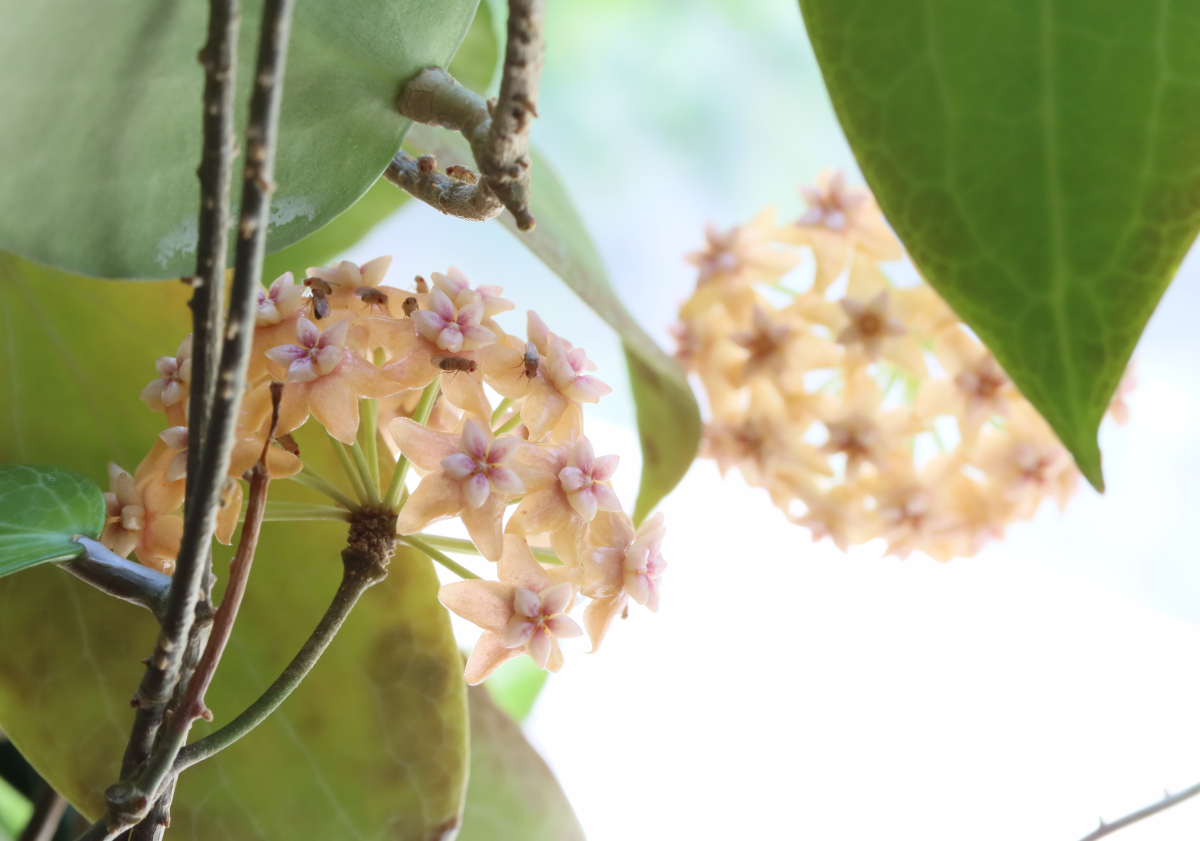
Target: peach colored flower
457, 288
561, 379
1025, 462
564, 508
142, 518
452, 329
170, 462
325, 379
838, 221
975, 390
169, 392
283, 298
524, 612
621, 565
346, 278
472, 475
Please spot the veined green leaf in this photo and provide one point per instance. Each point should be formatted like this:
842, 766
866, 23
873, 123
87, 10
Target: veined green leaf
668, 416
1041, 161
102, 117
42, 510
373, 743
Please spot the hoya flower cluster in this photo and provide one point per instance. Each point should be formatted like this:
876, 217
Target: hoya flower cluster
501, 447
864, 407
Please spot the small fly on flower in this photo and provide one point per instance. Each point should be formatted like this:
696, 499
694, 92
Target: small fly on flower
422, 286
456, 364
410, 306
315, 284
318, 289
320, 304
373, 298
530, 360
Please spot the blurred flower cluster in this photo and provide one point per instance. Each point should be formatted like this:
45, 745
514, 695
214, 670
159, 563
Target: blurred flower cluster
412, 374
861, 404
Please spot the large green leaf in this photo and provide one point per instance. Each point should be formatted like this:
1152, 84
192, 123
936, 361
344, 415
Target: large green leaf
374, 743
42, 510
668, 417
513, 795
1041, 161
102, 108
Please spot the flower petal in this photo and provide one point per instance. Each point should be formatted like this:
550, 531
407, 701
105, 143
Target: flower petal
424, 447
505, 481
477, 489
459, 466
538, 647
483, 524
557, 599
487, 656
606, 498
563, 627
436, 498
518, 566
527, 603
488, 604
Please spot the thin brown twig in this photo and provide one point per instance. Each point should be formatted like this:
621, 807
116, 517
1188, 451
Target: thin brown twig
505, 166
130, 800
192, 705
1167, 802
163, 667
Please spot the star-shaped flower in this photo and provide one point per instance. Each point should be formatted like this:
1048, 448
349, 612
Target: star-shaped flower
325, 378
169, 392
838, 221
564, 508
281, 300
471, 475
621, 565
560, 380
524, 612
142, 518
457, 288
976, 390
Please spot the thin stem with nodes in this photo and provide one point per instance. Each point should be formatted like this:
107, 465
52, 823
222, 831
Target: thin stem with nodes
189, 583
130, 800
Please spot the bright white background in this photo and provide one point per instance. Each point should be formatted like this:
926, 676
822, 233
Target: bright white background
786, 690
